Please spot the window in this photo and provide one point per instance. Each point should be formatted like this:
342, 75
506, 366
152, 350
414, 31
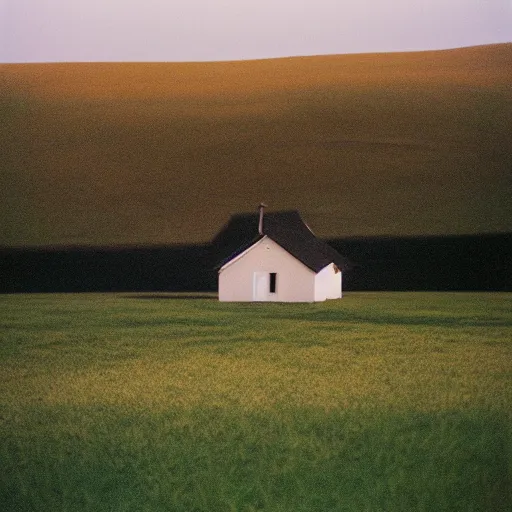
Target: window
273, 280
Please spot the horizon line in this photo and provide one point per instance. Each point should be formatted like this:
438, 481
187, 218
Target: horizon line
259, 59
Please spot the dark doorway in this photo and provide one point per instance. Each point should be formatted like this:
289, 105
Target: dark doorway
273, 282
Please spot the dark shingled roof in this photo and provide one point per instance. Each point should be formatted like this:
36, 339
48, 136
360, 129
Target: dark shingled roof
286, 229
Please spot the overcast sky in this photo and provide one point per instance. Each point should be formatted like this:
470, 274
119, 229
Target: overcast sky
200, 30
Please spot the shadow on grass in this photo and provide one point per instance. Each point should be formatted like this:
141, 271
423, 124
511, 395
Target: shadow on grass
177, 296
428, 321
341, 316
338, 460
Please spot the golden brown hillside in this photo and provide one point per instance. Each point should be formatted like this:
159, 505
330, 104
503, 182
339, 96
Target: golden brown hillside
146, 153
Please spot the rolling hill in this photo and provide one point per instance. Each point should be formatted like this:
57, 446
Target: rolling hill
401, 144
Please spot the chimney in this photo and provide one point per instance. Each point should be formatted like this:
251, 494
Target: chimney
261, 207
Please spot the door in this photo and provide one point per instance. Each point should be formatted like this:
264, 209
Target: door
260, 286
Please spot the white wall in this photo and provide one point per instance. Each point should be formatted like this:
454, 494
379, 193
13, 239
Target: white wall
328, 283
295, 281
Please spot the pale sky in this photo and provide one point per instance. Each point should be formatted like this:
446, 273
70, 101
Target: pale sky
203, 30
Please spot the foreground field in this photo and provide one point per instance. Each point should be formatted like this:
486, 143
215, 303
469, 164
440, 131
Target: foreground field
162, 402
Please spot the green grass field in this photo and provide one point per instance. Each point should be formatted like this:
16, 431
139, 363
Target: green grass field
133, 402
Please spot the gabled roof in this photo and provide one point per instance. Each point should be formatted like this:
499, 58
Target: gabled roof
286, 229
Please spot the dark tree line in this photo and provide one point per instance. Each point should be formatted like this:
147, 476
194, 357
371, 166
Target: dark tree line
412, 263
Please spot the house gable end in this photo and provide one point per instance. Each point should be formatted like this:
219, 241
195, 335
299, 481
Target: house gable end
259, 242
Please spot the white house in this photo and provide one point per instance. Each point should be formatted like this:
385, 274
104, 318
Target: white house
276, 257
